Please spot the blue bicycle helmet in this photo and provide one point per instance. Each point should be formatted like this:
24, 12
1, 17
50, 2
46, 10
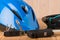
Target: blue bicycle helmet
17, 14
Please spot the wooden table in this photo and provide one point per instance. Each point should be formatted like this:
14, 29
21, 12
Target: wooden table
43, 26
2, 37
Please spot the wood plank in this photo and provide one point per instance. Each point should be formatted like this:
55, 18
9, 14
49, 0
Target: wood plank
25, 38
57, 37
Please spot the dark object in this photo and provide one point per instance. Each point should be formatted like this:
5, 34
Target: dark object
40, 33
13, 32
52, 21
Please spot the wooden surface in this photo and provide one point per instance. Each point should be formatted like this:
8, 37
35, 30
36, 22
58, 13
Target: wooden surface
43, 26
45, 7
41, 8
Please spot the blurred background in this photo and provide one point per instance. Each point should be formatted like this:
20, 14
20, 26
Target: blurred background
44, 7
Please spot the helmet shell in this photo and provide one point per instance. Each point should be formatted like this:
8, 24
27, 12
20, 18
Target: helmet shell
26, 19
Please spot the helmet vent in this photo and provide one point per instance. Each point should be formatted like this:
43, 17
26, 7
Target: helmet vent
16, 13
25, 9
33, 15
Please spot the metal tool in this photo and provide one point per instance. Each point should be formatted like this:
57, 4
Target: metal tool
43, 33
52, 21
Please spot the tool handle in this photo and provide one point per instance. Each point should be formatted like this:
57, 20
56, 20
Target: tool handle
13, 33
40, 33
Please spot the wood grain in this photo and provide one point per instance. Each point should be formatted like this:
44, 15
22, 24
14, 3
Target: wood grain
41, 9
2, 37
44, 7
